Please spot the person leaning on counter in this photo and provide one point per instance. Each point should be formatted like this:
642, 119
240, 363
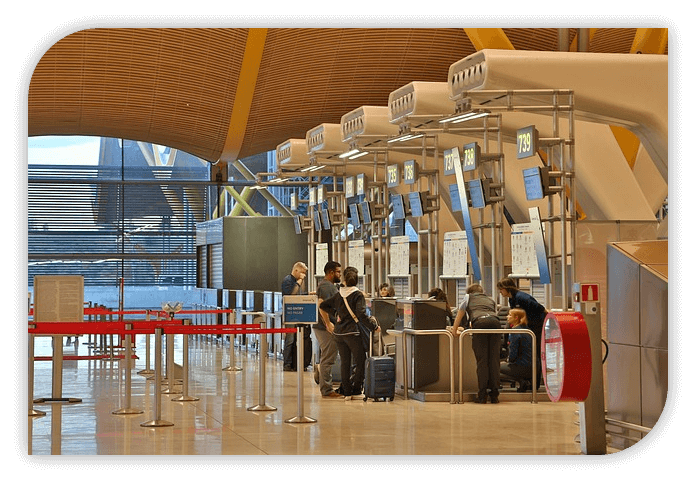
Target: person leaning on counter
480, 312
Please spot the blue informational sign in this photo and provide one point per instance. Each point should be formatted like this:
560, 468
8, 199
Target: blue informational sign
299, 309
354, 214
539, 246
454, 197
464, 202
533, 184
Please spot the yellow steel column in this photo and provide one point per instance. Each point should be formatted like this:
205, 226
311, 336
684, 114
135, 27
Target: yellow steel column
245, 94
489, 39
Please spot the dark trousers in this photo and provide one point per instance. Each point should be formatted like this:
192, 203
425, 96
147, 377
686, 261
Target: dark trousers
290, 349
350, 347
516, 372
487, 352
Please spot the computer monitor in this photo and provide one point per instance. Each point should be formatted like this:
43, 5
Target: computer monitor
416, 203
354, 214
366, 211
398, 207
298, 224
533, 183
326, 219
477, 194
384, 310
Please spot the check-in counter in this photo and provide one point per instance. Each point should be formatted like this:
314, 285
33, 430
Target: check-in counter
432, 360
384, 310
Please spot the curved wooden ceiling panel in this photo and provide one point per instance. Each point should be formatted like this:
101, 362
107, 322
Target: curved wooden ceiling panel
176, 87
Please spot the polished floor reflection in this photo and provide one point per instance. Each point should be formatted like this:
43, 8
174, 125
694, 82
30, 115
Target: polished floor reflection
219, 422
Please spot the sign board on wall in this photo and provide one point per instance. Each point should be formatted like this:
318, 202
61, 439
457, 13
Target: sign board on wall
300, 309
455, 253
399, 255
356, 255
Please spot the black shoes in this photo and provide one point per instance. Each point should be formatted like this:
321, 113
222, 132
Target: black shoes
482, 399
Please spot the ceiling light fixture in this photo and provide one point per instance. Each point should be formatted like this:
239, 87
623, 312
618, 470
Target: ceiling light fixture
467, 116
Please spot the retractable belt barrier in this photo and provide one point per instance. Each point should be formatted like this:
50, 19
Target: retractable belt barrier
127, 329
141, 328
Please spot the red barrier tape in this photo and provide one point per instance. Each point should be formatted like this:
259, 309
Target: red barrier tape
100, 311
69, 328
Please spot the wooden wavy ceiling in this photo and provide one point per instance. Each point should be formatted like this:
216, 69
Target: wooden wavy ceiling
176, 87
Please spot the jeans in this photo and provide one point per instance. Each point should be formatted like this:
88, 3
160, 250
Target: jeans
328, 351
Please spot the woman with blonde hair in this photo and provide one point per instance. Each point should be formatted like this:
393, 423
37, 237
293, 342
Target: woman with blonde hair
519, 362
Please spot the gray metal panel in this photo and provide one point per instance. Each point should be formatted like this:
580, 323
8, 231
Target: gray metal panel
623, 304
654, 378
216, 265
291, 248
263, 239
623, 388
258, 252
653, 309
234, 256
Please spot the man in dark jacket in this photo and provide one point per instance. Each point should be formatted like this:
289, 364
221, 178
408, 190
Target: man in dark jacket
294, 284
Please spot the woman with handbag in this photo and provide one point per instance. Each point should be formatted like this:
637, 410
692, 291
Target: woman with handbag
348, 306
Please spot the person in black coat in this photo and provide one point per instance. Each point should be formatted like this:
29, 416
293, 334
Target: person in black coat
346, 330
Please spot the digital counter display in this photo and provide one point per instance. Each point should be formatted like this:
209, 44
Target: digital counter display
366, 211
476, 194
392, 176
354, 214
527, 141
472, 154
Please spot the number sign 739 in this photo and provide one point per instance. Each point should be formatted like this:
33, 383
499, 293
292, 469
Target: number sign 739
527, 140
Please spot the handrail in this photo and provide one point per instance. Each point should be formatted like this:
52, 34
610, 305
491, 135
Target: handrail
627, 425
496, 331
451, 355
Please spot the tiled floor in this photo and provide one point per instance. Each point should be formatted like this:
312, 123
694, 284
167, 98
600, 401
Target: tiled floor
219, 423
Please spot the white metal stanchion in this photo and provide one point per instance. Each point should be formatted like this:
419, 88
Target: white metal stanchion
233, 365
127, 366
184, 396
170, 367
158, 421
300, 418
147, 371
262, 406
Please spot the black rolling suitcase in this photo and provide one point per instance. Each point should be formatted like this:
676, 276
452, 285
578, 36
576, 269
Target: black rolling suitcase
380, 377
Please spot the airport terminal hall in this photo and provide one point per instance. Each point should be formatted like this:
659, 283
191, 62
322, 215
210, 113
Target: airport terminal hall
346, 242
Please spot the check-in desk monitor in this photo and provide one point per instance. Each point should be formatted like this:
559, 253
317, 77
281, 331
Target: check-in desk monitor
423, 352
384, 310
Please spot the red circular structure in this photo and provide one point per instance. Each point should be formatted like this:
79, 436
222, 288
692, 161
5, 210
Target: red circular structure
566, 357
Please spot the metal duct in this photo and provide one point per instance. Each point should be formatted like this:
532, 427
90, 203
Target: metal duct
624, 90
369, 122
429, 99
326, 141
292, 154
